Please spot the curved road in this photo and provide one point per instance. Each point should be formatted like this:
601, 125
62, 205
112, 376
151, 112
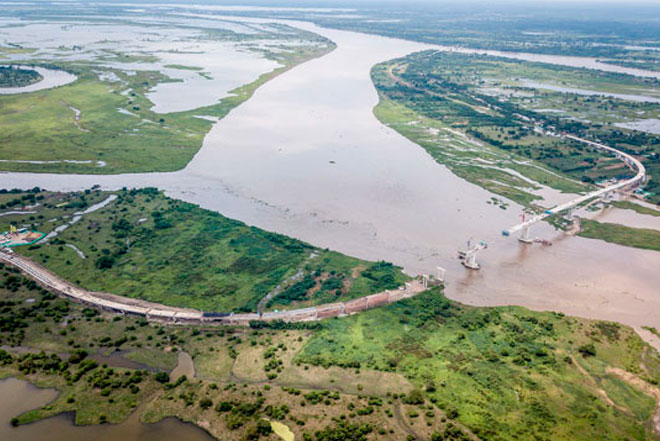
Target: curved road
158, 312
630, 161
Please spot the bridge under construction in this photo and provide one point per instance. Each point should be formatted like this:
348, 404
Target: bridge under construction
605, 192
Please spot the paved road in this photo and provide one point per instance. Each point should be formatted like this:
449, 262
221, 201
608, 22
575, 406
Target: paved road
158, 312
629, 160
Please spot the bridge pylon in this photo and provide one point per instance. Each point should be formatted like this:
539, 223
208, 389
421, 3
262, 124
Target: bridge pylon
525, 236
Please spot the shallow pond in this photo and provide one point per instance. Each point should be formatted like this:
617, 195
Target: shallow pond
185, 366
650, 125
19, 396
572, 90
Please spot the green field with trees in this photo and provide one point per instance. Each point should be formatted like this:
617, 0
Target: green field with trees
424, 368
506, 373
148, 246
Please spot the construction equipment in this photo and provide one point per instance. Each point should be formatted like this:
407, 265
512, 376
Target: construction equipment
469, 257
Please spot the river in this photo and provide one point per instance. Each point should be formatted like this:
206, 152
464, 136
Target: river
306, 157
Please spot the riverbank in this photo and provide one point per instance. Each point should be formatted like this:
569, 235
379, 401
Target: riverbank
45, 79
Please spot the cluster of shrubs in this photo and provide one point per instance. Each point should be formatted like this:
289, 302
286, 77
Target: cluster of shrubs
342, 430
26, 199
16, 315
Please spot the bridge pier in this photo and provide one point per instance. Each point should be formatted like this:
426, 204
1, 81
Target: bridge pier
441, 273
524, 235
469, 257
569, 214
607, 197
471, 261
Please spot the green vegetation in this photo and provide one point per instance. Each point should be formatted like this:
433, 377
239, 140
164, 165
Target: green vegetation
34, 320
17, 77
622, 235
148, 246
486, 116
117, 132
641, 209
183, 67
32, 317
500, 373
40, 126
335, 278
506, 373
652, 330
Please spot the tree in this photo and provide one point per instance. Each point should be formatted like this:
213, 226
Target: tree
162, 377
264, 428
105, 262
587, 350
205, 403
414, 397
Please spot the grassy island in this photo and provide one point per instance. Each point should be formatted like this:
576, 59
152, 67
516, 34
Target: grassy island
11, 76
107, 125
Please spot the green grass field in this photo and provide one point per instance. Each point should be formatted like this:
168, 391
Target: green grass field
506, 373
644, 238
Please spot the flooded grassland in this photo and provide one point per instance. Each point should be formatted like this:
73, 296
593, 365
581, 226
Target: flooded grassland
144, 95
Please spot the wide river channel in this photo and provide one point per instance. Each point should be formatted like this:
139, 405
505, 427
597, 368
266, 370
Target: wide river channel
306, 157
